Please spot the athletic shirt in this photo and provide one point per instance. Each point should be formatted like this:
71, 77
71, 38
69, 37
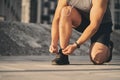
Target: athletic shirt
86, 5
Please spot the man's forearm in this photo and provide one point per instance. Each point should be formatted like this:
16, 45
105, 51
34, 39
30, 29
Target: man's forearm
87, 34
55, 32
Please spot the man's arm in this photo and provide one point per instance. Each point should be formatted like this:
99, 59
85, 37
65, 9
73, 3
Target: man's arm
96, 15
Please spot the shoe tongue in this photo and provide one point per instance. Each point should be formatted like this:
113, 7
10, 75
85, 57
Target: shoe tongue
60, 52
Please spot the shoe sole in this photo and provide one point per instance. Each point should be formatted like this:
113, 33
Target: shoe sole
111, 49
54, 63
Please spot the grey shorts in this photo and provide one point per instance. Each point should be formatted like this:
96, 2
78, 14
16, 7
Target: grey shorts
103, 33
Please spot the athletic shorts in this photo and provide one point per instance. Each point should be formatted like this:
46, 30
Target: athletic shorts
103, 33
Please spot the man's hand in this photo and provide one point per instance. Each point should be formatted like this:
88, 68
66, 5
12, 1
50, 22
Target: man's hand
53, 49
69, 49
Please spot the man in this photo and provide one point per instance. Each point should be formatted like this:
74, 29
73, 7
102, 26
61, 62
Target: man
92, 19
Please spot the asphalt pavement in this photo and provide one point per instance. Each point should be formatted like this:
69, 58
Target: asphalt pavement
40, 68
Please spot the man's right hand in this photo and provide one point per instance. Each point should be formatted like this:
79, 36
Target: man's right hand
53, 49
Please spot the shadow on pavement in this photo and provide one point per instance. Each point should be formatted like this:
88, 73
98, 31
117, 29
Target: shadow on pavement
62, 70
99, 65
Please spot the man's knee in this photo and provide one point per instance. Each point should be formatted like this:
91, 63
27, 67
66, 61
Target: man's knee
98, 59
98, 53
97, 62
66, 11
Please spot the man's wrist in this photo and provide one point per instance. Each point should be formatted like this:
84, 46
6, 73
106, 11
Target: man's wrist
77, 45
54, 43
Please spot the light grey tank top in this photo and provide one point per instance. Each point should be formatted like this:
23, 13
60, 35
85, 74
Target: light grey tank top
86, 5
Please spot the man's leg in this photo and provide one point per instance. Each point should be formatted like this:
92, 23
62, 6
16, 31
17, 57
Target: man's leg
68, 18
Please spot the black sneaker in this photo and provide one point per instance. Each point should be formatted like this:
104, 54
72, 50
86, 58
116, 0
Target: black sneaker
61, 59
111, 49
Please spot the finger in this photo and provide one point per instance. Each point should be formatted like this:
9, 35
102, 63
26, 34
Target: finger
54, 50
66, 53
66, 49
51, 49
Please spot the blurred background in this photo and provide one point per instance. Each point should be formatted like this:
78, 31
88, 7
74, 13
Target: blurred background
41, 11
35, 11
25, 27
